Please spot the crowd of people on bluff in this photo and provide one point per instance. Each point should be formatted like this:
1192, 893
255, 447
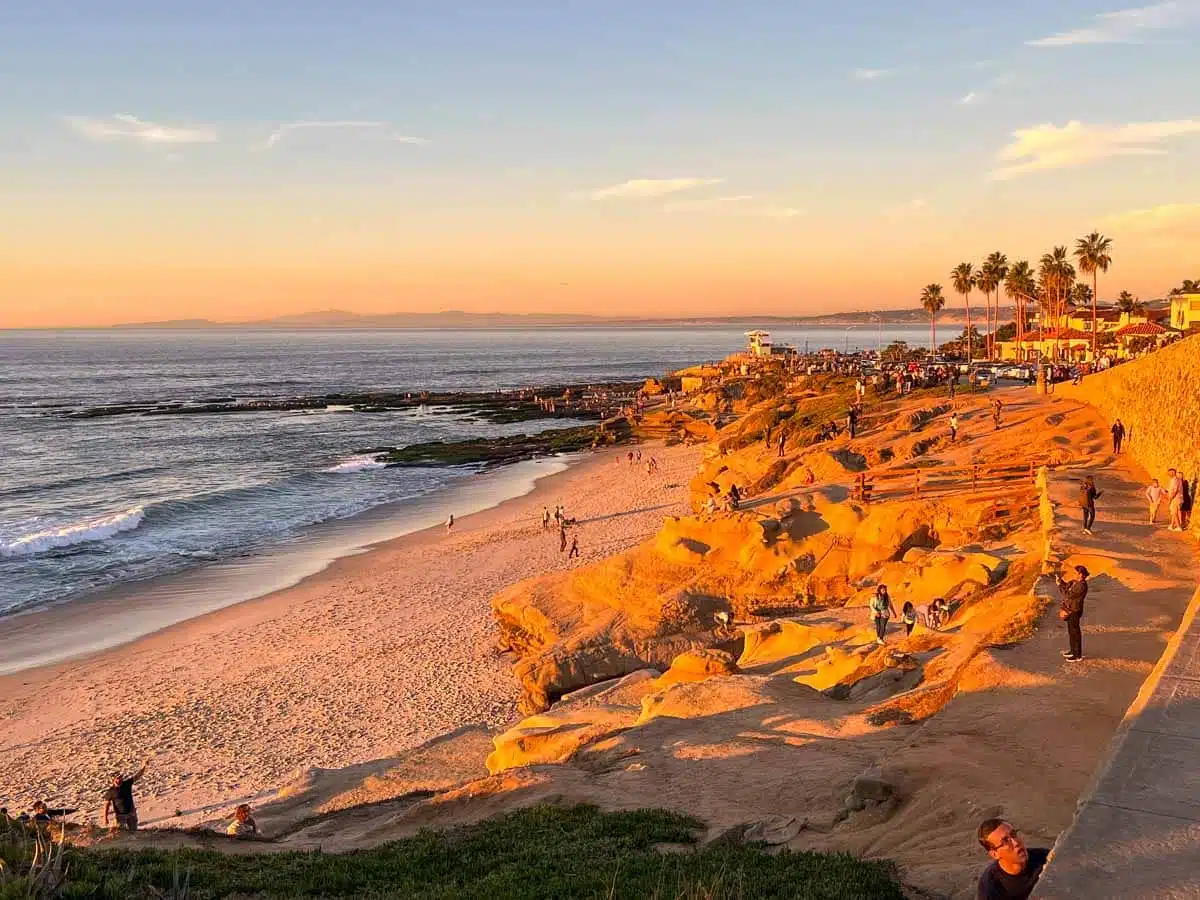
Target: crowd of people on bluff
119, 811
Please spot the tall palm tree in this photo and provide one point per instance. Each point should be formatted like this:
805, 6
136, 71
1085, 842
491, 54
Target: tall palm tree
994, 268
1020, 286
1094, 253
963, 278
933, 301
986, 282
1057, 276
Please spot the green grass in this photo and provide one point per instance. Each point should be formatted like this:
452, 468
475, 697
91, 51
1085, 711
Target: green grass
544, 852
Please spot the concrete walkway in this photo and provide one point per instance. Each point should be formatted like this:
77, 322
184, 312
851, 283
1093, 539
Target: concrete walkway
1137, 831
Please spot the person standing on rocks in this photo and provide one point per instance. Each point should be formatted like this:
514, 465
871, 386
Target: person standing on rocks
1088, 495
1118, 436
1071, 611
881, 611
1015, 869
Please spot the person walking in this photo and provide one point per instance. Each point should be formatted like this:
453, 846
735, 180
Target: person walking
782, 440
118, 800
1175, 499
953, 427
574, 551
562, 537
908, 617
996, 407
1088, 495
881, 611
545, 518
450, 523
1118, 436
1070, 610
1154, 496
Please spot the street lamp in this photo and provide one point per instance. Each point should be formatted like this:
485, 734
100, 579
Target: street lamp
879, 338
846, 347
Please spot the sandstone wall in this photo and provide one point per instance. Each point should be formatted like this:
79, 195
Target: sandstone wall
1158, 399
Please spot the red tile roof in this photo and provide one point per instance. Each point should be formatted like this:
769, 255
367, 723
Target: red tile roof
1142, 329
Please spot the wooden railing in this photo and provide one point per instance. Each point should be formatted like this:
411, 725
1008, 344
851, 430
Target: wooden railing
940, 481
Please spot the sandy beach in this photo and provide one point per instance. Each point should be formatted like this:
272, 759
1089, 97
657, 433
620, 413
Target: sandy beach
378, 653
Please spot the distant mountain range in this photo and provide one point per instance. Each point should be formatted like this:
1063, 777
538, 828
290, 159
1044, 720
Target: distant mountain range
336, 318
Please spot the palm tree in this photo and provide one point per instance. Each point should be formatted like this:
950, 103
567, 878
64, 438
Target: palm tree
993, 270
986, 282
1094, 253
963, 277
1081, 295
933, 301
1020, 286
1057, 275
1187, 287
1125, 302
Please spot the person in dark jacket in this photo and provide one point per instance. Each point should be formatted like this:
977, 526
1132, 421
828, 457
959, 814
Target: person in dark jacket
1118, 433
1088, 495
1071, 611
1015, 868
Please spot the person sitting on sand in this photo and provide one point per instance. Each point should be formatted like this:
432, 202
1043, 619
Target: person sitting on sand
908, 616
881, 611
243, 824
118, 799
1015, 869
43, 815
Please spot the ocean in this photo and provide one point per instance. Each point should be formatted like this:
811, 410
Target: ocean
91, 504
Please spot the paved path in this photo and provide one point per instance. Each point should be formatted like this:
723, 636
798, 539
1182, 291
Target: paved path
1137, 831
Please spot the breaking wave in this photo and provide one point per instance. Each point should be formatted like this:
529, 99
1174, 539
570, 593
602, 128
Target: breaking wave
95, 529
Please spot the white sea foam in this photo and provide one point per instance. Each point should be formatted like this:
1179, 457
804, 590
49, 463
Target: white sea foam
96, 529
357, 464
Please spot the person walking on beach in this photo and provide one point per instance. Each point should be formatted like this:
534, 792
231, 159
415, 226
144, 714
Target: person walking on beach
450, 523
1118, 436
118, 799
1088, 495
1073, 594
1015, 869
574, 551
1154, 496
881, 611
545, 518
996, 407
562, 537
953, 427
1175, 499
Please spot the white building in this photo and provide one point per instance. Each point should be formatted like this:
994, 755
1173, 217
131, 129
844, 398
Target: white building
760, 343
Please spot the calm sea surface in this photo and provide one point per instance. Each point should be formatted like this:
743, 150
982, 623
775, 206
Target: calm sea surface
87, 504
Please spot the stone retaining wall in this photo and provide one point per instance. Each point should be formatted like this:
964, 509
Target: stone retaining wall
1158, 399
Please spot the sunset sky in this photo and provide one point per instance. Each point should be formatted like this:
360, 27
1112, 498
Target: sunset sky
661, 157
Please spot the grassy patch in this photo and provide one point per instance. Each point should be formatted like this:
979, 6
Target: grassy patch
544, 852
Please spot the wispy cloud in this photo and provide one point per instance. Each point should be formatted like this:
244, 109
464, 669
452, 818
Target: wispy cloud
1171, 221
124, 127
639, 188
1125, 26
871, 74
1050, 146
287, 129
970, 98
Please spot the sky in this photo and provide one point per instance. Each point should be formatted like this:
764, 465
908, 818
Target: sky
236, 161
